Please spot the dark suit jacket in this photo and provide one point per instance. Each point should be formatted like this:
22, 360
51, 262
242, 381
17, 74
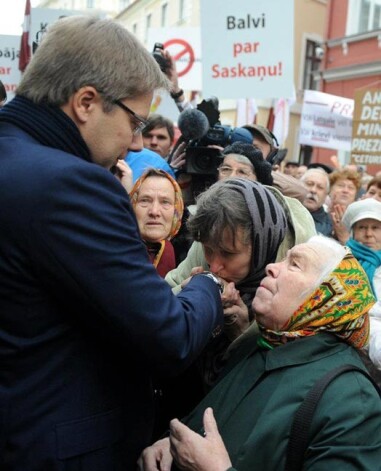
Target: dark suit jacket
84, 317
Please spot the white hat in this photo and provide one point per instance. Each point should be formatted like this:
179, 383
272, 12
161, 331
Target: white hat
368, 208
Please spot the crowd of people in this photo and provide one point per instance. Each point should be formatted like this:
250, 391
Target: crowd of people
139, 330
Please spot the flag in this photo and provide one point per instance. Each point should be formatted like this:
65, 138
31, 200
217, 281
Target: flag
281, 122
246, 111
271, 117
25, 54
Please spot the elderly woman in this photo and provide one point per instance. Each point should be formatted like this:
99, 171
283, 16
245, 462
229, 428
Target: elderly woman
158, 204
245, 161
363, 220
312, 318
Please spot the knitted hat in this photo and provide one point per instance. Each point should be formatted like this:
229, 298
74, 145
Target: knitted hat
368, 208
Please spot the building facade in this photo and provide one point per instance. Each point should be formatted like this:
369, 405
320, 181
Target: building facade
352, 56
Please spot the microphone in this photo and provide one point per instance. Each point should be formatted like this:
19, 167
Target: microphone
193, 124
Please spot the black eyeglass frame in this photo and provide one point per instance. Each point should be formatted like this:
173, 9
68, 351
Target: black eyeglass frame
143, 123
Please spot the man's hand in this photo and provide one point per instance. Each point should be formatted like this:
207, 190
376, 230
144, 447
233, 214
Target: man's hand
195, 453
178, 158
156, 457
124, 175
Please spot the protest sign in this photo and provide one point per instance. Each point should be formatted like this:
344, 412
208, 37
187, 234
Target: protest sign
183, 44
247, 48
42, 18
326, 121
366, 134
9, 63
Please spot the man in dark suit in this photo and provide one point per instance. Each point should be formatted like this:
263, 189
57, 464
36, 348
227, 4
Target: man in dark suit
84, 318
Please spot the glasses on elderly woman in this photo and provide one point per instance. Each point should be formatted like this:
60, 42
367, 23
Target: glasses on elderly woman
226, 171
140, 123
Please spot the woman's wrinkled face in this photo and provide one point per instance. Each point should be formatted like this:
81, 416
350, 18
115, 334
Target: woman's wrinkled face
155, 208
232, 167
230, 260
287, 284
368, 232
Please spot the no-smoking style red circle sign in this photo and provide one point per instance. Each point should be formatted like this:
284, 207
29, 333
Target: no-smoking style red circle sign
183, 54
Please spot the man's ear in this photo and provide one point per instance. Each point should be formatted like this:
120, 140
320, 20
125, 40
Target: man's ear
82, 104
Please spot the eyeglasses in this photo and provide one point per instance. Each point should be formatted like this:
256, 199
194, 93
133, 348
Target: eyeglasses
226, 171
141, 123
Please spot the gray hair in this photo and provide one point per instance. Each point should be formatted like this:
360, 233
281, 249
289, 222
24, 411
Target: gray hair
316, 170
80, 50
331, 247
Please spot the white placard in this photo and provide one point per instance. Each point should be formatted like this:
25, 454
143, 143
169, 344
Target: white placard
326, 121
247, 48
184, 46
9, 63
42, 18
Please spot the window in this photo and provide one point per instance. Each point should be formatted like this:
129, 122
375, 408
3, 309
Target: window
312, 59
148, 25
363, 16
164, 12
90, 4
182, 10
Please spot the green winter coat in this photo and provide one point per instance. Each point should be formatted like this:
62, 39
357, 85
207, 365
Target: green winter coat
256, 399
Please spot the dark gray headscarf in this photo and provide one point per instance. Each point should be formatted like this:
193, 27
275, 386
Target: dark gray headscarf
269, 228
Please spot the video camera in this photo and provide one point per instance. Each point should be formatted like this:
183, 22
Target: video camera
204, 160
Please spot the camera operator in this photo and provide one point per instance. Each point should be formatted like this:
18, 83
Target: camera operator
268, 144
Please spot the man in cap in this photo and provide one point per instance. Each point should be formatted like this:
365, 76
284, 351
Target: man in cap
291, 168
268, 144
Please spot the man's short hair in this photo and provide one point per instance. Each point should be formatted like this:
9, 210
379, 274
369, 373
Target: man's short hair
80, 50
158, 121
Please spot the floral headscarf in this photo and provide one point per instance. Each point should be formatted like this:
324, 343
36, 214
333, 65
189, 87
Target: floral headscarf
340, 305
179, 203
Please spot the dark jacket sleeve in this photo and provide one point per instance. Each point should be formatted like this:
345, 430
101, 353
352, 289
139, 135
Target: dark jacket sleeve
85, 247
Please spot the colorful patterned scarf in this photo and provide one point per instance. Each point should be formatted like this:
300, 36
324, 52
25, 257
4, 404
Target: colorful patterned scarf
340, 305
179, 204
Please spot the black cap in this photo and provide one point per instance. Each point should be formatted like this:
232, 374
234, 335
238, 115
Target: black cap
325, 167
